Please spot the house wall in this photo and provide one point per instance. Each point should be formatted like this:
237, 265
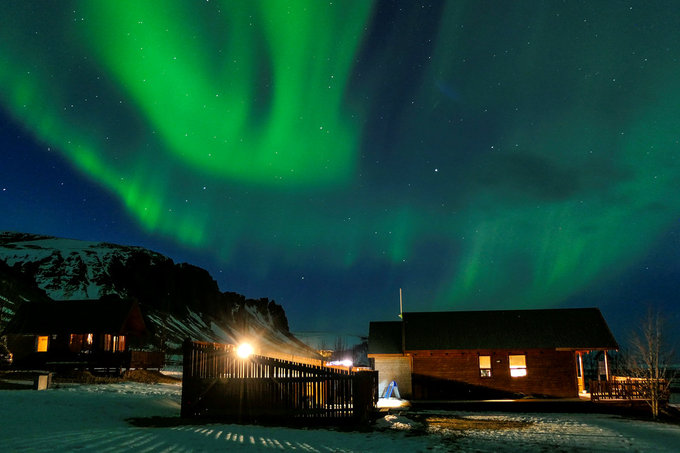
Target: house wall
21, 345
455, 374
61, 351
396, 368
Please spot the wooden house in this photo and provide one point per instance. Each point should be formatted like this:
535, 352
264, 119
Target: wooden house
489, 354
91, 334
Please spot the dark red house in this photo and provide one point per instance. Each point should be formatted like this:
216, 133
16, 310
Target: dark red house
78, 334
489, 354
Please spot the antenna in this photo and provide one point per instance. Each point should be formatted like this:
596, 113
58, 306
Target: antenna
403, 324
401, 307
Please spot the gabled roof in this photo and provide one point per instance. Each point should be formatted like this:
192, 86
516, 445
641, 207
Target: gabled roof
568, 328
109, 315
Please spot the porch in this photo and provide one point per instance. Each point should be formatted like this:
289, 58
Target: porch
623, 389
102, 361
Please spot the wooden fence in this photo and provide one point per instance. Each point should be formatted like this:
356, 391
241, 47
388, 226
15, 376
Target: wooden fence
217, 384
620, 389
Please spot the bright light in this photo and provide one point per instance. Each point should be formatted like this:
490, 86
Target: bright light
392, 402
244, 350
348, 363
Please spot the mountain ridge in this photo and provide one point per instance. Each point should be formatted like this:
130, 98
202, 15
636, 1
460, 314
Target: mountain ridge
179, 299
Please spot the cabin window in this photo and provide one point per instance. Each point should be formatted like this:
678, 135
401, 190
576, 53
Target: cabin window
114, 343
41, 343
485, 365
80, 342
75, 343
518, 365
120, 344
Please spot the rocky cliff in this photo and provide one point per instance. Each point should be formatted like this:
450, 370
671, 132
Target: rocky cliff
179, 299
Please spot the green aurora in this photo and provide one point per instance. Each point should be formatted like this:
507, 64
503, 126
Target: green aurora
480, 155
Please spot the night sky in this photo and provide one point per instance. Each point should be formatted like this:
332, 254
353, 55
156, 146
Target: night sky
479, 155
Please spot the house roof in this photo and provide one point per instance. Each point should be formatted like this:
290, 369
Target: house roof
384, 337
107, 315
568, 328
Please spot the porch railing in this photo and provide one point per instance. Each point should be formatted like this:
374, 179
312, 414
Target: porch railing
108, 361
148, 360
628, 389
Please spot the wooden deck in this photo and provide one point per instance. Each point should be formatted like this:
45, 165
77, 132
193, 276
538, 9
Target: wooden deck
625, 390
106, 361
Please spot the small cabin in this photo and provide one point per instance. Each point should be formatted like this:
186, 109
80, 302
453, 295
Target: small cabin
77, 334
489, 354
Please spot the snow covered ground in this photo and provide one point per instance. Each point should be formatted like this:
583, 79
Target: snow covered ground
94, 418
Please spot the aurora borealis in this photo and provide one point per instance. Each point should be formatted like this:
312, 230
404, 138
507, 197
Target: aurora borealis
324, 154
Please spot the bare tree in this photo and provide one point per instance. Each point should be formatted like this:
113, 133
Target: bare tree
339, 349
650, 356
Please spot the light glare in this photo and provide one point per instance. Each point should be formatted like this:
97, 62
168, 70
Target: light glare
346, 363
244, 350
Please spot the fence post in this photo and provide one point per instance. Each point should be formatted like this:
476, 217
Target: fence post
365, 393
187, 383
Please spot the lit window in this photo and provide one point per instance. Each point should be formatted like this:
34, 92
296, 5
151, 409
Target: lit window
114, 343
485, 365
518, 365
108, 340
41, 346
90, 338
76, 342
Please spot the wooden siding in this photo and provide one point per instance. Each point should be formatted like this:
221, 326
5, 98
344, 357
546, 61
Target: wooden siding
61, 356
455, 374
394, 369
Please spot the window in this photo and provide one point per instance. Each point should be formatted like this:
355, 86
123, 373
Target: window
485, 365
114, 343
518, 365
75, 343
80, 342
108, 340
41, 344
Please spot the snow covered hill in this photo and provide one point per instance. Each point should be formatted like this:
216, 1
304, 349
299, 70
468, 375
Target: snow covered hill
68, 269
181, 300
